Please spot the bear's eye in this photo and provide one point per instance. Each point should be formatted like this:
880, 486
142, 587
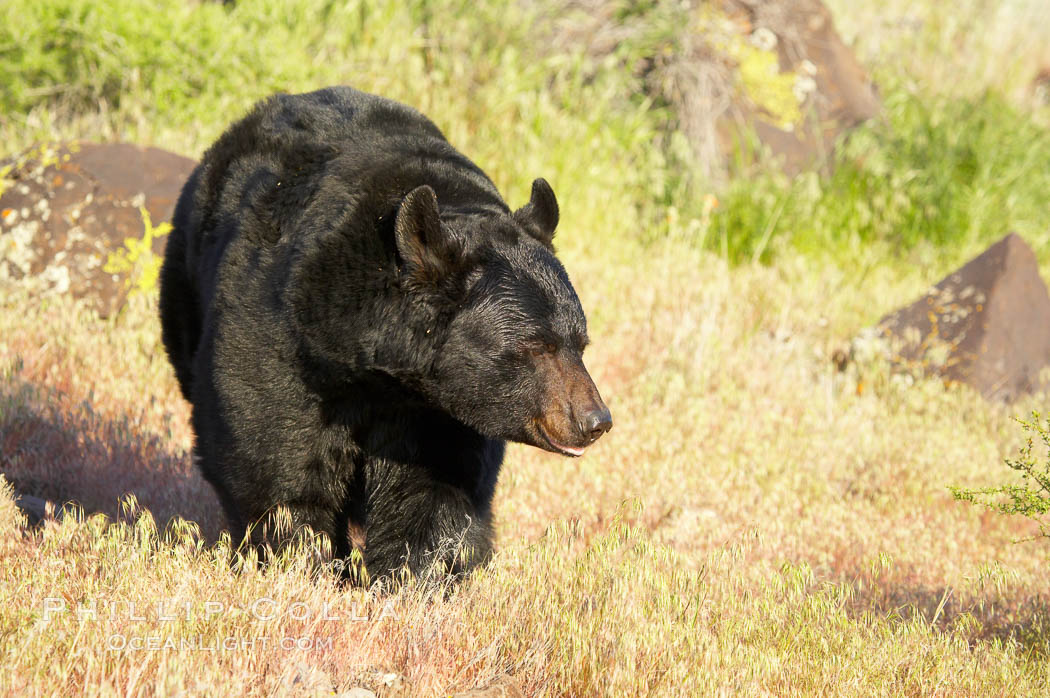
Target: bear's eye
541, 347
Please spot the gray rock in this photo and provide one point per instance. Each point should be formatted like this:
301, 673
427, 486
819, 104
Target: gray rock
38, 510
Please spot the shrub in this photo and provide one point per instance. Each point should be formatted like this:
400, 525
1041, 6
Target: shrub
1031, 498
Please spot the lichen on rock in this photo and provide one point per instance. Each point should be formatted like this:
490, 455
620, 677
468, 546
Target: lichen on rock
78, 219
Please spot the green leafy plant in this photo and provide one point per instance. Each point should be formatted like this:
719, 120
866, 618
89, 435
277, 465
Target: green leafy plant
1031, 498
934, 173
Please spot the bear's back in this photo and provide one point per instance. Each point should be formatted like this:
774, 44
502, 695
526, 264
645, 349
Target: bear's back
340, 116
324, 169
298, 160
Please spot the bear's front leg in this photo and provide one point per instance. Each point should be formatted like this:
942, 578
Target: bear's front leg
253, 490
301, 514
414, 521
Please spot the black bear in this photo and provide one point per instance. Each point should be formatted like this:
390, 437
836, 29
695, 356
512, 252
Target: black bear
360, 322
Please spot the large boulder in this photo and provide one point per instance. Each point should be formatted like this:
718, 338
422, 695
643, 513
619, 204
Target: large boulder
833, 89
730, 68
66, 210
986, 324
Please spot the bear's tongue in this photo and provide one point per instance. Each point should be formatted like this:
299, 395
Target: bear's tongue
566, 450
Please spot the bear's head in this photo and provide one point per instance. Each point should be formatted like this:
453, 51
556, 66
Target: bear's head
504, 327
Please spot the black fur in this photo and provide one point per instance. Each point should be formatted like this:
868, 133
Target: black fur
360, 321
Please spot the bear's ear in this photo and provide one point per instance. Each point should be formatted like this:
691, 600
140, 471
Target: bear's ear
426, 248
540, 216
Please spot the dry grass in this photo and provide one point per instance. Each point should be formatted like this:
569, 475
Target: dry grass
756, 524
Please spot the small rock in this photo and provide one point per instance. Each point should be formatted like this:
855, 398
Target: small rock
38, 510
390, 685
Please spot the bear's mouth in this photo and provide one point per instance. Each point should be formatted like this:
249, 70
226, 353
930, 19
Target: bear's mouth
564, 450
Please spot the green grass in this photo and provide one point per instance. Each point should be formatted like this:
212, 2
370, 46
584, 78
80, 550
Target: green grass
176, 73
935, 172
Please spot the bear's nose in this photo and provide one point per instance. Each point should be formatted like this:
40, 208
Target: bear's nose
595, 422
